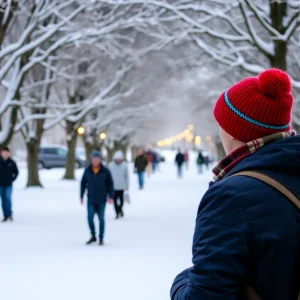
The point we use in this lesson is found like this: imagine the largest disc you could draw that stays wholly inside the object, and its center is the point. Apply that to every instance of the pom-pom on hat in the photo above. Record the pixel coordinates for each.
(256, 106)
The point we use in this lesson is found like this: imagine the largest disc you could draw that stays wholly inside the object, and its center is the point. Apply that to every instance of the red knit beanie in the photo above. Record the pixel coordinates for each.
(256, 106)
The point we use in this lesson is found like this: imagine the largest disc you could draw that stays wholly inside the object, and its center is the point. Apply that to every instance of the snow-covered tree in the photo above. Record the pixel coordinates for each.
(248, 35)
(32, 31)
(95, 89)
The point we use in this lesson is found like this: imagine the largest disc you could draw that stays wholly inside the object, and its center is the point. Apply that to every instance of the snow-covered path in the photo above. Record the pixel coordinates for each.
(43, 255)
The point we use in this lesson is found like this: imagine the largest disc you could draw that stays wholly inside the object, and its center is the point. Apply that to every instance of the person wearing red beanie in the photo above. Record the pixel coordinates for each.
(246, 241)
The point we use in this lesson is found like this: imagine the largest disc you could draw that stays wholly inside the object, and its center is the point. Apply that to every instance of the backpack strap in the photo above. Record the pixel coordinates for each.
(272, 182)
(249, 292)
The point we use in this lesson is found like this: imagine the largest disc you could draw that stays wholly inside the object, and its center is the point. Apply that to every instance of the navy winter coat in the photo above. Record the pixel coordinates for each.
(248, 232)
(179, 159)
(8, 172)
(99, 186)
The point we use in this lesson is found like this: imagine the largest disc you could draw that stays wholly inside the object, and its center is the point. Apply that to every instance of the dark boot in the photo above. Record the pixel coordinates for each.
(117, 217)
(92, 240)
(101, 242)
(4, 220)
(11, 219)
(121, 213)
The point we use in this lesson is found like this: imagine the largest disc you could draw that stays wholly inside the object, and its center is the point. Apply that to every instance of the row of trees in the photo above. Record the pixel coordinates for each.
(240, 37)
(105, 65)
(74, 63)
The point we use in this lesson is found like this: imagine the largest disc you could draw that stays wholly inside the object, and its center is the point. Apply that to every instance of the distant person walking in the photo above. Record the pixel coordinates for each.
(186, 158)
(8, 174)
(140, 165)
(179, 159)
(99, 184)
(149, 155)
(207, 161)
(120, 175)
(154, 161)
(200, 162)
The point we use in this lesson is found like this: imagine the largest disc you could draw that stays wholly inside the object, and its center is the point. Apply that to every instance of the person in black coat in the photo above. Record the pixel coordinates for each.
(247, 233)
(200, 161)
(179, 159)
(98, 181)
(140, 165)
(8, 174)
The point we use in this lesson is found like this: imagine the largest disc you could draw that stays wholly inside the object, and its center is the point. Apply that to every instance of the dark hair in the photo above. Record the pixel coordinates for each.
(5, 149)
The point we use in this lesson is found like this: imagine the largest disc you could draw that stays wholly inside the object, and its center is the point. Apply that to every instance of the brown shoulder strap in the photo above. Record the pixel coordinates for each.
(249, 292)
(272, 182)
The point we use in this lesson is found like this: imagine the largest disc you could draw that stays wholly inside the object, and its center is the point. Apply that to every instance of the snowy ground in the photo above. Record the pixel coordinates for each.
(43, 255)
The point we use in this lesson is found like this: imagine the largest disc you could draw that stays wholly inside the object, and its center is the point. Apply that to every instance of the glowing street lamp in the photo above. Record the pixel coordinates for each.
(208, 138)
(81, 130)
(198, 140)
(103, 136)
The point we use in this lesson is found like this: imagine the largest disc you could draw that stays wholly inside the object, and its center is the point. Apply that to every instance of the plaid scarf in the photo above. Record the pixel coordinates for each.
(231, 160)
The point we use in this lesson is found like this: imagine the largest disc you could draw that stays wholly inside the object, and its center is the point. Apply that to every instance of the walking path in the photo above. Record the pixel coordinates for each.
(43, 255)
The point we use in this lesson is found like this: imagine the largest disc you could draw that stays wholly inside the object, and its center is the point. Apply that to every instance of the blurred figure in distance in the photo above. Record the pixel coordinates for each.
(186, 158)
(200, 161)
(179, 160)
(140, 165)
(8, 174)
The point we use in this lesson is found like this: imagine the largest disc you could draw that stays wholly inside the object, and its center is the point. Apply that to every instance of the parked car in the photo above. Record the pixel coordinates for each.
(56, 157)
(80, 152)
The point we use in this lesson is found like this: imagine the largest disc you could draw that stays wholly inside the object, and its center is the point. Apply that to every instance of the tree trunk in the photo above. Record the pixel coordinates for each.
(280, 57)
(110, 154)
(13, 112)
(4, 27)
(134, 152)
(278, 11)
(70, 164)
(88, 152)
(33, 146)
(32, 163)
(124, 149)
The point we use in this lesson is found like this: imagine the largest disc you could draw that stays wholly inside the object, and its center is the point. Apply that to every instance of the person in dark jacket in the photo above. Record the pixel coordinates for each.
(179, 160)
(247, 232)
(200, 161)
(98, 181)
(8, 174)
(154, 161)
(140, 165)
